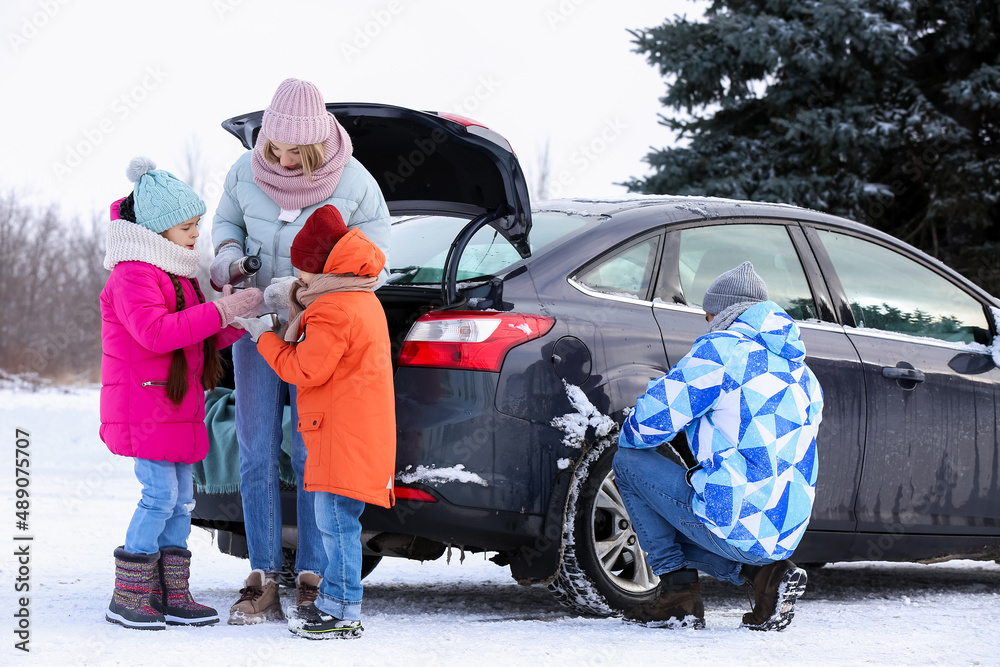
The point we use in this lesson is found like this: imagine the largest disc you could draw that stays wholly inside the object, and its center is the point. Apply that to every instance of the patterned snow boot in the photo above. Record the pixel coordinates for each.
(171, 595)
(776, 586)
(130, 606)
(677, 604)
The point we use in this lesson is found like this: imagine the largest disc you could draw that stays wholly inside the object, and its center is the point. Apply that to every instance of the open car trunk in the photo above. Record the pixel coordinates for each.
(436, 164)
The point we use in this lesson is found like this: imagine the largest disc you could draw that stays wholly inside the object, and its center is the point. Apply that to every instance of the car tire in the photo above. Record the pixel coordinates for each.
(603, 569)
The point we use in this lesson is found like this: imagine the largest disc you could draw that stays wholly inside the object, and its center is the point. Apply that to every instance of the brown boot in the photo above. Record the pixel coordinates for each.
(776, 586)
(258, 601)
(306, 590)
(677, 604)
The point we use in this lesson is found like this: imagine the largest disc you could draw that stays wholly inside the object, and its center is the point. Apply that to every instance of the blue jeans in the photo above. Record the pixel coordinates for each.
(339, 520)
(260, 404)
(658, 501)
(163, 516)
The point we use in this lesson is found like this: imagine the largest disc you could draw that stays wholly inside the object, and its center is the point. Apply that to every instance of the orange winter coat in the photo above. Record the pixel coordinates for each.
(343, 371)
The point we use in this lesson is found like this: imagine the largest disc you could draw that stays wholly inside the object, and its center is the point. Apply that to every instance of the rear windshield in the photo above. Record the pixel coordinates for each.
(420, 246)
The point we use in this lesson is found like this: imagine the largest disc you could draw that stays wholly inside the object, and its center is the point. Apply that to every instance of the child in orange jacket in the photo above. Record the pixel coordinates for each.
(336, 350)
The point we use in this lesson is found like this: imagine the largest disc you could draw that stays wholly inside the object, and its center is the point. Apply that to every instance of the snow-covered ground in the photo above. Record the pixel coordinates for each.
(430, 613)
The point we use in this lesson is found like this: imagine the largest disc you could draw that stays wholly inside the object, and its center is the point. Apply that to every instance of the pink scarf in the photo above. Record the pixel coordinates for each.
(300, 296)
(289, 188)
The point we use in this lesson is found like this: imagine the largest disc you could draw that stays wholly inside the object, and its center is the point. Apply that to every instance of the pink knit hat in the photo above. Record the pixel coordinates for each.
(297, 115)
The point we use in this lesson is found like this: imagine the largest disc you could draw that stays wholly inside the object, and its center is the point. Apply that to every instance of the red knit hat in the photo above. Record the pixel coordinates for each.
(313, 243)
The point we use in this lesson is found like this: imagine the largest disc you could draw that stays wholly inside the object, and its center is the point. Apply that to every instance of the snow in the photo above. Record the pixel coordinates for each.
(456, 473)
(995, 347)
(574, 424)
(433, 613)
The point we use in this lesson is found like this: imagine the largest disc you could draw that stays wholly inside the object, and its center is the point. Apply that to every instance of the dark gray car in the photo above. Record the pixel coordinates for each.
(521, 337)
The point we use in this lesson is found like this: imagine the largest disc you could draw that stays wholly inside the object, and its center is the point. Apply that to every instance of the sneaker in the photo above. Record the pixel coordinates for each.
(258, 601)
(677, 604)
(313, 623)
(776, 587)
(306, 591)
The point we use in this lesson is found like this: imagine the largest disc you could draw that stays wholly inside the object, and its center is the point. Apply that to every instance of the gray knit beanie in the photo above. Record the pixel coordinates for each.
(739, 285)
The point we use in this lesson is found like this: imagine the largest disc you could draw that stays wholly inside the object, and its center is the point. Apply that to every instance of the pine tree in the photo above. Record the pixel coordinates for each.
(883, 111)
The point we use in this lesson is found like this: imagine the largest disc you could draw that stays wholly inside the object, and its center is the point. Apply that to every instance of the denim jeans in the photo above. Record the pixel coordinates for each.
(658, 501)
(339, 520)
(163, 516)
(260, 404)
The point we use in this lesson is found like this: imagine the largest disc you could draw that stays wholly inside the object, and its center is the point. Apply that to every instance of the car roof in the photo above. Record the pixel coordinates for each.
(684, 208)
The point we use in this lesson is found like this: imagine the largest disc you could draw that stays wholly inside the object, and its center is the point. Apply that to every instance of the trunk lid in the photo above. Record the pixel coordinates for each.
(430, 163)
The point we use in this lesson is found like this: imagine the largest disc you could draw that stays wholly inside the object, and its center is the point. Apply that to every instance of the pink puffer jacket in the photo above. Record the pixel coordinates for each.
(140, 332)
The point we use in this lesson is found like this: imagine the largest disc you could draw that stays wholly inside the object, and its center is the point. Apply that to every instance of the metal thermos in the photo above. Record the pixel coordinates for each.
(239, 270)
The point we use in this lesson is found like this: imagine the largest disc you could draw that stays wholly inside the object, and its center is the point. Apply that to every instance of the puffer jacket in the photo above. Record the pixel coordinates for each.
(750, 408)
(247, 215)
(343, 371)
(141, 329)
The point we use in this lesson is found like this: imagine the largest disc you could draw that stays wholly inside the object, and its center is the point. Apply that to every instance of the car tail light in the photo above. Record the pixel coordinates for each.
(408, 493)
(473, 340)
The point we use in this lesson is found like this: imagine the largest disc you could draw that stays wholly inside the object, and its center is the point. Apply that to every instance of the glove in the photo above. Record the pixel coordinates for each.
(244, 303)
(276, 294)
(226, 255)
(255, 326)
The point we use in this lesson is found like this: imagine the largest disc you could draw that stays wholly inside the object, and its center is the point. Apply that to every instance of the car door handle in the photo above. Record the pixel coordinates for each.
(896, 373)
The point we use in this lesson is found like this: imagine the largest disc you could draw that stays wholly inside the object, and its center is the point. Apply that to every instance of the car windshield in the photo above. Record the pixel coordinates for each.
(420, 246)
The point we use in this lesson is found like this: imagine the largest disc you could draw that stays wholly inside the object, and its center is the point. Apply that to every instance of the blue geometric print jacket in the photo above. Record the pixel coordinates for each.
(750, 408)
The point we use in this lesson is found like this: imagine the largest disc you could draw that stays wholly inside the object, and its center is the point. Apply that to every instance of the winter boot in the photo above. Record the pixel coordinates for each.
(776, 586)
(170, 593)
(130, 602)
(677, 604)
(313, 623)
(306, 590)
(258, 601)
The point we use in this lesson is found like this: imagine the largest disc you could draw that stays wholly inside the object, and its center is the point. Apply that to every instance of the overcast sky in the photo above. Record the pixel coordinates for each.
(86, 85)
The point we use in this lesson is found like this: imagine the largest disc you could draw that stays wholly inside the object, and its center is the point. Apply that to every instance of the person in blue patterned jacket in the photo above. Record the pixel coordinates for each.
(750, 409)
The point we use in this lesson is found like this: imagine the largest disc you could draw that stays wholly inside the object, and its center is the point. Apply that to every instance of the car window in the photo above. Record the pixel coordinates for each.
(420, 246)
(889, 291)
(623, 272)
(707, 252)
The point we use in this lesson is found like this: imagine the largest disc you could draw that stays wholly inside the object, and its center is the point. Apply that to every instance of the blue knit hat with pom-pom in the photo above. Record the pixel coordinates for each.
(161, 199)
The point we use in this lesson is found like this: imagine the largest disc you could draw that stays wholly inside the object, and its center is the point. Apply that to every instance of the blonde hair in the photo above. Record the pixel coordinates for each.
(311, 154)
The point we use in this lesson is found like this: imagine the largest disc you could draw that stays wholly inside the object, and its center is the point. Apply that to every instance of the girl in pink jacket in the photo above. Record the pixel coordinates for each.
(161, 345)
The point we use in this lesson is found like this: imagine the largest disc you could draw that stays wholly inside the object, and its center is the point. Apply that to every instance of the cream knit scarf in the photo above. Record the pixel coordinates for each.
(300, 296)
(130, 242)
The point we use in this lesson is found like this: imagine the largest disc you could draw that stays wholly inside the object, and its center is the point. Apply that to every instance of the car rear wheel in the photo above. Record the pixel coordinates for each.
(603, 568)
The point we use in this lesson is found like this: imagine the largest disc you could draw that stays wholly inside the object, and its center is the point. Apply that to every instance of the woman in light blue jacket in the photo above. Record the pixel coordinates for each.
(300, 162)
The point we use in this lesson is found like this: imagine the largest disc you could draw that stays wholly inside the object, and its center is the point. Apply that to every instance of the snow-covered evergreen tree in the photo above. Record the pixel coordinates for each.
(884, 111)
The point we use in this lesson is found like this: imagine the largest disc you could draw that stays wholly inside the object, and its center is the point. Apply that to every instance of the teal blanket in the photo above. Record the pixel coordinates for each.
(220, 471)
